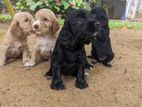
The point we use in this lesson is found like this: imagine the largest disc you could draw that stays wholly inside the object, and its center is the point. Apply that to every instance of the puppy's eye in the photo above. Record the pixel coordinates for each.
(45, 19)
(26, 20)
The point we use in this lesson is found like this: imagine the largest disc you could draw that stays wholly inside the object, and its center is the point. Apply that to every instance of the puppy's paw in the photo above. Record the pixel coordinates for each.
(29, 64)
(88, 67)
(81, 83)
(94, 61)
(107, 64)
(48, 75)
(57, 84)
(86, 73)
(25, 60)
(2, 64)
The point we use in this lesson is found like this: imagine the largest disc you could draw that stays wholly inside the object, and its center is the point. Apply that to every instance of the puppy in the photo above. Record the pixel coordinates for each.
(15, 40)
(46, 27)
(69, 57)
(101, 46)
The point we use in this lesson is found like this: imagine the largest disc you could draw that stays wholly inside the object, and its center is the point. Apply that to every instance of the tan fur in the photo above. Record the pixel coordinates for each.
(46, 35)
(15, 40)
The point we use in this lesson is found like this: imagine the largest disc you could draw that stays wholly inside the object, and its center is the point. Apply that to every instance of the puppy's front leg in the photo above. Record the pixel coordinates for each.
(88, 66)
(3, 55)
(80, 81)
(32, 61)
(25, 54)
(57, 83)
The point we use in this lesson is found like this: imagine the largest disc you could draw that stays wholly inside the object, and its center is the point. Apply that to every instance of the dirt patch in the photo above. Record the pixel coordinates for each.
(119, 86)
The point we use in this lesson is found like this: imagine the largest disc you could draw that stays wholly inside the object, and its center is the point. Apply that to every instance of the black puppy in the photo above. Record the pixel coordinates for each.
(69, 57)
(101, 46)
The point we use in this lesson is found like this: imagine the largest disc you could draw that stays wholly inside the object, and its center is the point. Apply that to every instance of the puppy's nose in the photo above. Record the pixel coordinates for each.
(36, 26)
(97, 24)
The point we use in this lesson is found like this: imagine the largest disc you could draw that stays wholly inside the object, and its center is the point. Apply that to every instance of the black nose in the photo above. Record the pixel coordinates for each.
(36, 26)
(97, 24)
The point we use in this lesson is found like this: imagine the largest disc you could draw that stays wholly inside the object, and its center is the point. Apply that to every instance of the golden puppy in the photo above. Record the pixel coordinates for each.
(15, 40)
(46, 27)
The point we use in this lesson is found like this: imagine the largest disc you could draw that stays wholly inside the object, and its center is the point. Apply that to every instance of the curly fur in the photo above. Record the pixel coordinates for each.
(15, 40)
(101, 46)
(46, 27)
(69, 57)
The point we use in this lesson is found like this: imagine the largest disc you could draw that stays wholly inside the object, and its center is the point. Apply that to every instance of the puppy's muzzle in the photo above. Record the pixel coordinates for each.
(36, 26)
(95, 34)
(95, 27)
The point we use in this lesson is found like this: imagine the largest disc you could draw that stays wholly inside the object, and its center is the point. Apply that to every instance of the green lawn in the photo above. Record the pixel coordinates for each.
(113, 24)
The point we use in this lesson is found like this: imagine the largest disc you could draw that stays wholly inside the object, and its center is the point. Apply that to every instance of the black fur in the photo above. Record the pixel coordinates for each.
(69, 57)
(101, 46)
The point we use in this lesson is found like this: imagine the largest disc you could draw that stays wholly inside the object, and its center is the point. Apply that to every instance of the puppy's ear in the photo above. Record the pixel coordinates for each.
(15, 29)
(55, 26)
(66, 38)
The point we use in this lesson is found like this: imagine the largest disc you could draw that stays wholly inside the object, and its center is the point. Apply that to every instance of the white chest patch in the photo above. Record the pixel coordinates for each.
(45, 44)
(17, 45)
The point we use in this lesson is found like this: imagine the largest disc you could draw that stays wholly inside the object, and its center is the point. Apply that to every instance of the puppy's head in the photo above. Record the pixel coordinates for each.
(21, 23)
(82, 25)
(101, 15)
(46, 22)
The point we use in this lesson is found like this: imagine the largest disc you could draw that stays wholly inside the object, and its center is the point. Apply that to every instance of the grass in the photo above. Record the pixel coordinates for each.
(113, 24)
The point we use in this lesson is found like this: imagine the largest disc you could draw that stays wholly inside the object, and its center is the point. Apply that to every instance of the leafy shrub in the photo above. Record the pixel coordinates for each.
(96, 2)
(5, 18)
(58, 6)
(1, 3)
(91, 4)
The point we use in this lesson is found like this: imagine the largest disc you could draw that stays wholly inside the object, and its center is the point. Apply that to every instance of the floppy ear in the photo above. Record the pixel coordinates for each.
(67, 37)
(55, 26)
(15, 29)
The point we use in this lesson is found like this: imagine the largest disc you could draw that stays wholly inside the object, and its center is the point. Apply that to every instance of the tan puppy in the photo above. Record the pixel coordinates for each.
(15, 40)
(46, 27)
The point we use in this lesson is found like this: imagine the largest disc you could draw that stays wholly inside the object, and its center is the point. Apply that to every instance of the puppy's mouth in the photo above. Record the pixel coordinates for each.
(95, 34)
(37, 31)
